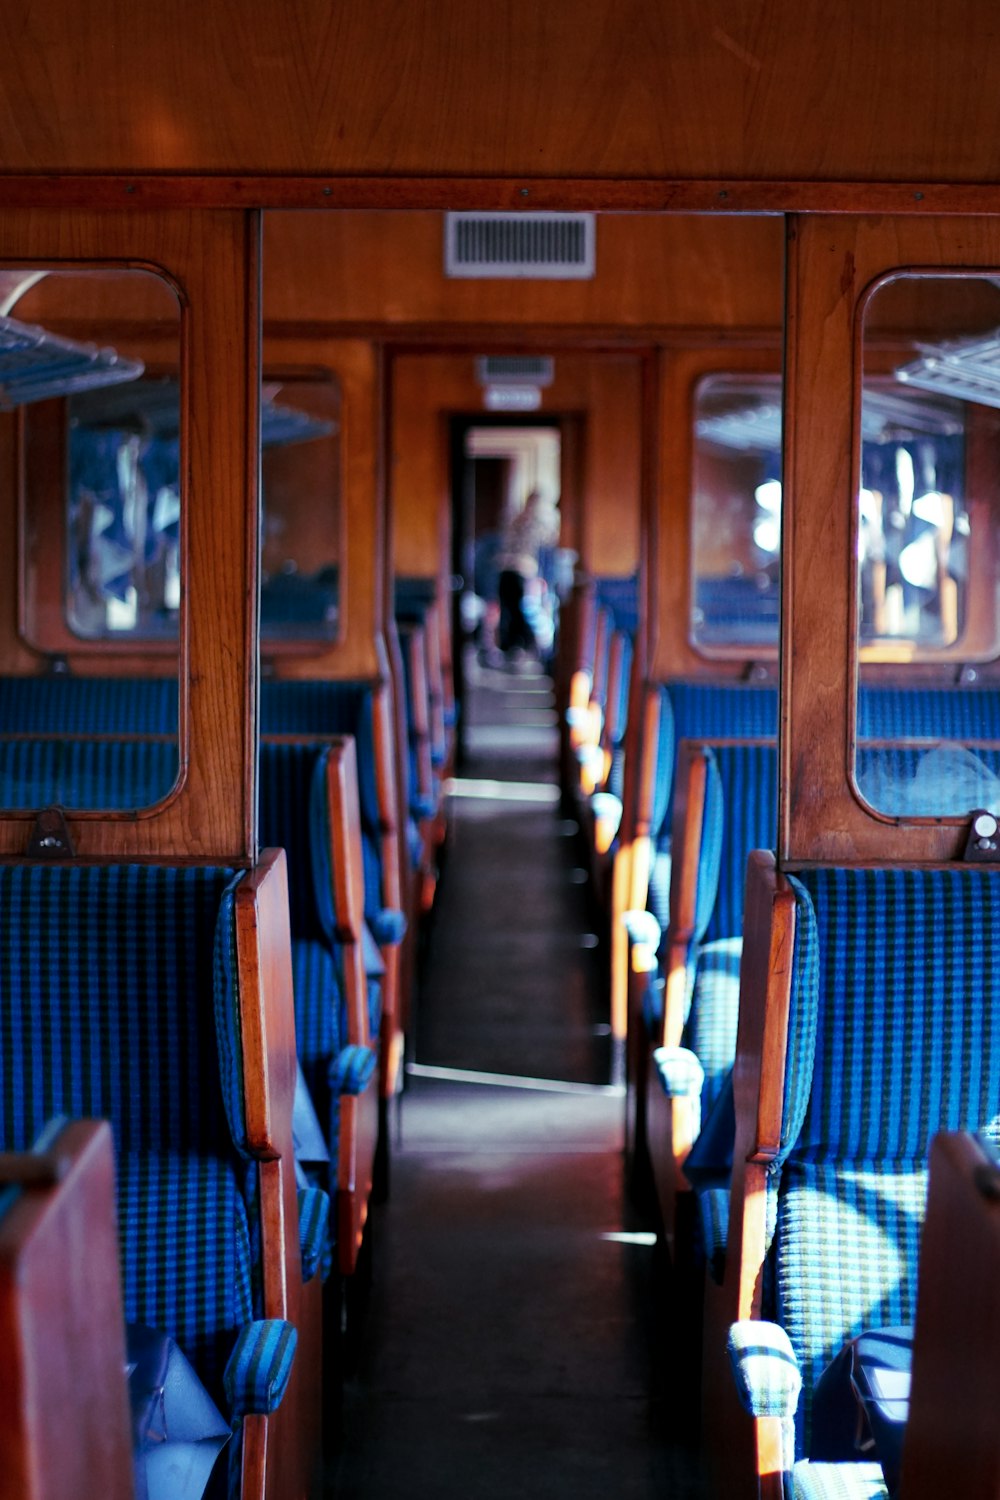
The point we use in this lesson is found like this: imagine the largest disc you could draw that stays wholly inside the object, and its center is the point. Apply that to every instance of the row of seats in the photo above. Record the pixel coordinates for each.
(891, 979)
(431, 723)
(152, 997)
(127, 994)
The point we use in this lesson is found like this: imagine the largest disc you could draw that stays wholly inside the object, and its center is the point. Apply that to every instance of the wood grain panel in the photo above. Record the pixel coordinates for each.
(213, 261)
(831, 265)
(758, 1073)
(355, 365)
(359, 1115)
(578, 87)
(603, 387)
(267, 1036)
(952, 1445)
(652, 270)
(668, 531)
(62, 1324)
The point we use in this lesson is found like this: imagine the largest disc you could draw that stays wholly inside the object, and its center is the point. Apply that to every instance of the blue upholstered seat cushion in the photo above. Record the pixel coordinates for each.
(621, 597)
(748, 819)
(846, 1252)
(860, 1481)
(111, 775)
(326, 707)
(658, 898)
(713, 1016)
(894, 1034)
(106, 989)
(186, 1256)
(65, 704)
(888, 712)
(896, 1019)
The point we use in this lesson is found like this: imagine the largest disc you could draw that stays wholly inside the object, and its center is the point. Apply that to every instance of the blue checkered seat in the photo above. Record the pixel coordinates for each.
(118, 999)
(322, 707)
(422, 802)
(295, 816)
(617, 713)
(887, 712)
(621, 597)
(740, 815)
(113, 775)
(892, 1037)
(697, 710)
(66, 704)
(414, 600)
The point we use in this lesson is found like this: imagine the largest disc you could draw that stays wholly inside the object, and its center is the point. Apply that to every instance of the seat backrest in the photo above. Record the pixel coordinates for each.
(66, 704)
(603, 631)
(747, 786)
(616, 713)
(621, 597)
(715, 710)
(320, 707)
(741, 814)
(110, 774)
(118, 997)
(887, 711)
(893, 1035)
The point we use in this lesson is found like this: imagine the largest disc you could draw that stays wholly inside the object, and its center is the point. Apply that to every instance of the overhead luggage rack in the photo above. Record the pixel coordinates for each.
(153, 407)
(966, 368)
(35, 365)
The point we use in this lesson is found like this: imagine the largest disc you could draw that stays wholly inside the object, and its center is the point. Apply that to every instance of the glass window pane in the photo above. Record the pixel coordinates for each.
(89, 387)
(927, 512)
(736, 513)
(300, 478)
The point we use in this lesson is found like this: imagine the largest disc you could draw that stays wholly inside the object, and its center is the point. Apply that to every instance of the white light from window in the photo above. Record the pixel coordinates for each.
(768, 496)
(767, 534)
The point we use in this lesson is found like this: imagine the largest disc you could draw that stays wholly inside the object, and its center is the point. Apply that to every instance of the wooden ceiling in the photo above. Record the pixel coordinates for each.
(748, 90)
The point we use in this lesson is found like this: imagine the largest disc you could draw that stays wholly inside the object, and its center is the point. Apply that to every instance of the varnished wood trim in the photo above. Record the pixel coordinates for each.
(688, 821)
(212, 260)
(832, 264)
(65, 1408)
(952, 1444)
(618, 194)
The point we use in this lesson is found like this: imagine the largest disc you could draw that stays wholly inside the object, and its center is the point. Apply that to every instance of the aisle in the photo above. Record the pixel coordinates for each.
(511, 1349)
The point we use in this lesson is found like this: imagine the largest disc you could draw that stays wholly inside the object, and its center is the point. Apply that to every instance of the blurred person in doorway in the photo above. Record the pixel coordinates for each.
(532, 529)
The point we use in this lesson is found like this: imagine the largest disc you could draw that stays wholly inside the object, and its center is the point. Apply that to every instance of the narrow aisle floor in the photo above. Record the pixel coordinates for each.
(511, 1347)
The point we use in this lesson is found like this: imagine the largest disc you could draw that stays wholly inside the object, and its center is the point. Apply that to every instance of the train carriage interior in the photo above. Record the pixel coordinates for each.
(499, 751)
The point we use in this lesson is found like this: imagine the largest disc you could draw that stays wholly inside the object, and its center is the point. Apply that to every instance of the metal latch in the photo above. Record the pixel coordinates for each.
(50, 837)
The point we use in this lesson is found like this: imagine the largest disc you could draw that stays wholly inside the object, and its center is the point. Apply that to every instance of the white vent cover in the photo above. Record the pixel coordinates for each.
(515, 369)
(546, 246)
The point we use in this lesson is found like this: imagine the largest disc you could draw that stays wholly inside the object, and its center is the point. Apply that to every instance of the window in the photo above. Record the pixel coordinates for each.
(736, 513)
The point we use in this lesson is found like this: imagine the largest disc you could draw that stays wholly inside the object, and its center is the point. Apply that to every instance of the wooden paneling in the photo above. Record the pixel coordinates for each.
(669, 527)
(603, 387)
(267, 1037)
(758, 1082)
(355, 365)
(64, 1411)
(952, 1445)
(213, 259)
(831, 265)
(625, 88)
(652, 271)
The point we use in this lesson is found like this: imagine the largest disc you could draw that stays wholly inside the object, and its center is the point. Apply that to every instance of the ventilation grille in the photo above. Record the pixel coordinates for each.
(543, 245)
(515, 369)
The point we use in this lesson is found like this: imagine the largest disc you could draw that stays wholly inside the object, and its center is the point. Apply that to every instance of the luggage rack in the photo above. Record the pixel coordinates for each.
(35, 365)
